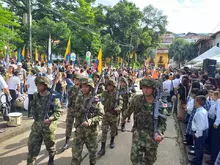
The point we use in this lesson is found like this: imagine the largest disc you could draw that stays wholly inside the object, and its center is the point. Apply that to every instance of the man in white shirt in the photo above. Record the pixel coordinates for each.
(32, 88)
(167, 84)
(200, 125)
(14, 88)
(3, 84)
(22, 76)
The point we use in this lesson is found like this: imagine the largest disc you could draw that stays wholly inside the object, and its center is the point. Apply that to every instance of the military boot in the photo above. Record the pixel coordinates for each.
(51, 160)
(67, 144)
(102, 151)
(112, 142)
(123, 127)
(92, 163)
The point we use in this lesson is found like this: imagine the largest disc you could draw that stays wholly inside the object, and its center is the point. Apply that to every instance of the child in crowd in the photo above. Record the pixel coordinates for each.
(200, 127)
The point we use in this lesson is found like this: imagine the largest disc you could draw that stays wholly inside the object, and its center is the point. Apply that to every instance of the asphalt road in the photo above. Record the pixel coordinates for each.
(14, 150)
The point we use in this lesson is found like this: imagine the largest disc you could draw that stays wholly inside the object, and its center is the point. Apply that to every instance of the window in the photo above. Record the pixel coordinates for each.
(217, 45)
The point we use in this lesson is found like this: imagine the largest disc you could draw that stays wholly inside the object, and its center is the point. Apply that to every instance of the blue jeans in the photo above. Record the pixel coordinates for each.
(199, 148)
(21, 88)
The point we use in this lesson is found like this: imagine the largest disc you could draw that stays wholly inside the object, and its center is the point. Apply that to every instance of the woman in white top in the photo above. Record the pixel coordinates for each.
(31, 86)
(13, 82)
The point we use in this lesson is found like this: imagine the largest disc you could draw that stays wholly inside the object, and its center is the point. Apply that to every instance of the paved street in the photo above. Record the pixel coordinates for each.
(14, 150)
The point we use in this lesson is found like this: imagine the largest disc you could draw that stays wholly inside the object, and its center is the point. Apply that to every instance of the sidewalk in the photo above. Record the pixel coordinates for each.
(9, 132)
(185, 148)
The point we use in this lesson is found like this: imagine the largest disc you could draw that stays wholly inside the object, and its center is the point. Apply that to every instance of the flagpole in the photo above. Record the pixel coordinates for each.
(49, 50)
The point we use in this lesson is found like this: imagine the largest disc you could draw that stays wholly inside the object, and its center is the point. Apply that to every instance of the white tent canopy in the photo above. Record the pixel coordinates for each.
(216, 57)
(208, 54)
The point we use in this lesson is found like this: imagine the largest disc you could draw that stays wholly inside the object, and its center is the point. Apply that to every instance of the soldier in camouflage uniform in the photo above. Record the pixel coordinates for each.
(86, 123)
(72, 94)
(101, 87)
(110, 118)
(46, 110)
(132, 90)
(106, 78)
(145, 140)
(125, 93)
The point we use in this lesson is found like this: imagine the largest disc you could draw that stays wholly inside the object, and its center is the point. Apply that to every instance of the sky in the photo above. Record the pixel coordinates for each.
(198, 16)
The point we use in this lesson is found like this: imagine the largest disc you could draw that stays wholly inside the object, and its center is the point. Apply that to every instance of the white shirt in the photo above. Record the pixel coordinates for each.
(32, 86)
(167, 85)
(190, 105)
(176, 83)
(217, 120)
(200, 122)
(3, 84)
(212, 110)
(13, 82)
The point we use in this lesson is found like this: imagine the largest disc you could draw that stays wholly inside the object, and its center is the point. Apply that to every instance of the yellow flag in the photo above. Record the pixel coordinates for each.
(36, 55)
(23, 53)
(100, 61)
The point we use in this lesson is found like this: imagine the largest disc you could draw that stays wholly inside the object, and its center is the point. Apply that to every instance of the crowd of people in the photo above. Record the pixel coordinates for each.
(194, 98)
(196, 101)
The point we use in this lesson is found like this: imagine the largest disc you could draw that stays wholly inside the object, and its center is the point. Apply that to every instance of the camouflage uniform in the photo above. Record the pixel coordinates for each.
(110, 118)
(125, 93)
(39, 130)
(86, 135)
(72, 94)
(143, 128)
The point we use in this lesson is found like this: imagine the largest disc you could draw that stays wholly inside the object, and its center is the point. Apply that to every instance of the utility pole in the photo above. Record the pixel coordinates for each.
(30, 29)
(130, 48)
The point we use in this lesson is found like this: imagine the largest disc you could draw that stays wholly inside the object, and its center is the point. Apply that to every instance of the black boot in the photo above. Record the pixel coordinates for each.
(102, 151)
(112, 142)
(67, 144)
(51, 160)
(123, 127)
(92, 163)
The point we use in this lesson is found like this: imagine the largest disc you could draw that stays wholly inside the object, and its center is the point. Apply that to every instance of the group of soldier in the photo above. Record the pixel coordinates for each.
(112, 100)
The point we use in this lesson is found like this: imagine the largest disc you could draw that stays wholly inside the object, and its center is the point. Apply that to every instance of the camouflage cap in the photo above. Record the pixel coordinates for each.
(87, 81)
(112, 82)
(44, 80)
(76, 76)
(123, 79)
(148, 83)
(96, 74)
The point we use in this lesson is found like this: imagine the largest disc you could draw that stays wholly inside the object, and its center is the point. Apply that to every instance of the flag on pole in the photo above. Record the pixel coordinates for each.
(23, 53)
(19, 55)
(49, 50)
(36, 55)
(100, 61)
(68, 52)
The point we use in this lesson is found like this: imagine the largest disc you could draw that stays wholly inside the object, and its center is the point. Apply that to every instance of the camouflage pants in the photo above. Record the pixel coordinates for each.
(122, 114)
(143, 149)
(109, 121)
(88, 137)
(69, 122)
(40, 132)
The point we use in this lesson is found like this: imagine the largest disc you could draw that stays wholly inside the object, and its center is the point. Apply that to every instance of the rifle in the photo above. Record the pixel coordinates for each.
(157, 114)
(91, 100)
(117, 97)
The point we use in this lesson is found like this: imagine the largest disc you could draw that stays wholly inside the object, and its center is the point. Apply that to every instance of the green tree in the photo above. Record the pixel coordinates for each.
(181, 51)
(8, 29)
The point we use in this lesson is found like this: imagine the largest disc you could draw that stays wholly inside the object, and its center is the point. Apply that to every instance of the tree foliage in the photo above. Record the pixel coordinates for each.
(9, 34)
(119, 30)
(181, 51)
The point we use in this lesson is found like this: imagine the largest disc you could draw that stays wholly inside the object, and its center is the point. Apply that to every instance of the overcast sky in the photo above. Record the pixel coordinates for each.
(200, 16)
